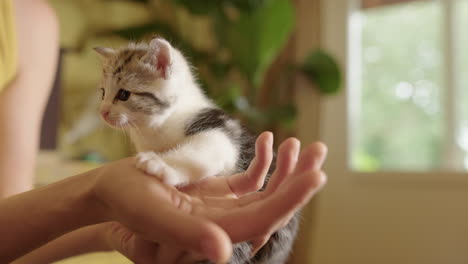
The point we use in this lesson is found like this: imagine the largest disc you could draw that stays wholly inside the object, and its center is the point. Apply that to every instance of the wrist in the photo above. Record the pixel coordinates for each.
(100, 237)
(88, 200)
(107, 233)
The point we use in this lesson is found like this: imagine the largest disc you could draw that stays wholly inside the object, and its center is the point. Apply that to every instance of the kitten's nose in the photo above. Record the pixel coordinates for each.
(105, 114)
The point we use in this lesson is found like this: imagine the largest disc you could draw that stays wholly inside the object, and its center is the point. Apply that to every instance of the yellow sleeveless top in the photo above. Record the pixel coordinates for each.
(8, 48)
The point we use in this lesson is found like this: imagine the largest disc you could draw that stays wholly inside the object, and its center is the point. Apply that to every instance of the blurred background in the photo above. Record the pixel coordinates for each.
(381, 82)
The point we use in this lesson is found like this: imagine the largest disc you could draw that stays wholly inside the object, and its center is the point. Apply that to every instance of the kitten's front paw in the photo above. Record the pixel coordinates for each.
(152, 164)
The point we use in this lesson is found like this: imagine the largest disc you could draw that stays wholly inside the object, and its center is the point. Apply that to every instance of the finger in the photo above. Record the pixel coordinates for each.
(246, 223)
(312, 158)
(191, 258)
(254, 177)
(287, 220)
(172, 223)
(168, 255)
(258, 243)
(285, 163)
(242, 183)
(168, 222)
(210, 186)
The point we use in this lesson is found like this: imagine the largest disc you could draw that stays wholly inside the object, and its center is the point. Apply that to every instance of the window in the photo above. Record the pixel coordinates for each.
(407, 87)
(462, 78)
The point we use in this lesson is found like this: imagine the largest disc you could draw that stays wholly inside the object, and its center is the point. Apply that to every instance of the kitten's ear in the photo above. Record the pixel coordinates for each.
(159, 55)
(104, 52)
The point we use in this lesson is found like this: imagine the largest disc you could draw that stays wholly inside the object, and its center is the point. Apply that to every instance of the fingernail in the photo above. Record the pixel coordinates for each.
(270, 139)
(298, 146)
(323, 179)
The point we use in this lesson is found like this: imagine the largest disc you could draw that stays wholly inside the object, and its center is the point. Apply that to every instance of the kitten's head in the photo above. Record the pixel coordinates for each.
(138, 83)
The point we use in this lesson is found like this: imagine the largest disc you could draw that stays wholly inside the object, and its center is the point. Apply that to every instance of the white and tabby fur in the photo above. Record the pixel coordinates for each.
(181, 136)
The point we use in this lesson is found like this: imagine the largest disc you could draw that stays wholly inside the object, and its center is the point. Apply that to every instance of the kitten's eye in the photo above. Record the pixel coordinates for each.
(103, 93)
(123, 95)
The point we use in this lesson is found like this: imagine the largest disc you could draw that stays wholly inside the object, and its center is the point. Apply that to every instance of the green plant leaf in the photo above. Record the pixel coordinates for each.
(256, 38)
(229, 98)
(284, 114)
(247, 5)
(323, 70)
(200, 7)
(140, 1)
(219, 69)
(140, 31)
(206, 7)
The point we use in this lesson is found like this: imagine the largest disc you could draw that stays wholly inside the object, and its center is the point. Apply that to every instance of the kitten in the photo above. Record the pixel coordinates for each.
(181, 136)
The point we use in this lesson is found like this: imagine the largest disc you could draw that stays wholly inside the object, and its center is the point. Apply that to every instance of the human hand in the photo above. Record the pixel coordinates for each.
(185, 219)
(242, 189)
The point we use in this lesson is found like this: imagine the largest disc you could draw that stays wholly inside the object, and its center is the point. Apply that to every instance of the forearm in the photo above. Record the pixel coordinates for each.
(81, 241)
(23, 101)
(31, 219)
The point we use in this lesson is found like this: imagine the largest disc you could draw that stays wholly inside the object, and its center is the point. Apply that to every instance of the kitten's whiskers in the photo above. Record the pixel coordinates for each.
(135, 127)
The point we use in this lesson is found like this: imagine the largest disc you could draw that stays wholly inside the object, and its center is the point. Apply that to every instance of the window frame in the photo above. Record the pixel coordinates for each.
(366, 4)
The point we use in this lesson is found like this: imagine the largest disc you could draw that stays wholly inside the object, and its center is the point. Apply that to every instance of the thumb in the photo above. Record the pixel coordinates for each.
(191, 233)
(123, 240)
